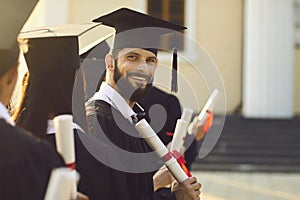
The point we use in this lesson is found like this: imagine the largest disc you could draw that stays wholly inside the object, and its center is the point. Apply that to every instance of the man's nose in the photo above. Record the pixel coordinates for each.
(143, 66)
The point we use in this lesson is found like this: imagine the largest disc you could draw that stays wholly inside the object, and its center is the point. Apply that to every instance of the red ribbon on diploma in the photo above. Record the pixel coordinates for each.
(180, 159)
(71, 166)
(209, 121)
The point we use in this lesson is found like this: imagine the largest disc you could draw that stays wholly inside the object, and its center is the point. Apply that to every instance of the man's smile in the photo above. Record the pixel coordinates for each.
(139, 77)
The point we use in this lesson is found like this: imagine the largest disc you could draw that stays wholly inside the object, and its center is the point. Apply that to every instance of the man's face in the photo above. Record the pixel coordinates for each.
(134, 72)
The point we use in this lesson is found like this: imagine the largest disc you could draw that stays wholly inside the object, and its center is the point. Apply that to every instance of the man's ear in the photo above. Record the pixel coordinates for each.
(110, 66)
(109, 62)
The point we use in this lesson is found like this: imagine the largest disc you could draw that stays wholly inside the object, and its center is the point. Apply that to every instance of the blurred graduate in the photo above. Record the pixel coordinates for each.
(25, 162)
(55, 86)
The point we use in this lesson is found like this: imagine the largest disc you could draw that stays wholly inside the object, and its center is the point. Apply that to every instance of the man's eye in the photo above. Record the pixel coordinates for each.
(132, 57)
(151, 61)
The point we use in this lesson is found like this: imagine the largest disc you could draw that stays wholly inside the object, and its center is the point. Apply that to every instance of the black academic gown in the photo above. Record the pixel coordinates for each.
(25, 164)
(138, 185)
(97, 181)
(169, 105)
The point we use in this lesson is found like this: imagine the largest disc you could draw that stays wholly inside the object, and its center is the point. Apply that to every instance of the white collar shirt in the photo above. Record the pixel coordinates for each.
(111, 96)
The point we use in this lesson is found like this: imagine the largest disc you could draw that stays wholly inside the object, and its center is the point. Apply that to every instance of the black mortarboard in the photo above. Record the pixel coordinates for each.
(13, 15)
(64, 43)
(135, 29)
(54, 53)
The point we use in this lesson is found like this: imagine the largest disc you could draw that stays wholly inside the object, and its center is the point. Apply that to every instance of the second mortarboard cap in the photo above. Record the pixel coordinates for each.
(138, 30)
(53, 57)
(13, 15)
(55, 49)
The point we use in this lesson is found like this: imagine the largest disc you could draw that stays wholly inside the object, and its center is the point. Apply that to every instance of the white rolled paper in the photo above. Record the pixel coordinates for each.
(60, 185)
(156, 144)
(187, 114)
(173, 166)
(151, 137)
(64, 137)
(179, 134)
(200, 120)
(181, 129)
(207, 106)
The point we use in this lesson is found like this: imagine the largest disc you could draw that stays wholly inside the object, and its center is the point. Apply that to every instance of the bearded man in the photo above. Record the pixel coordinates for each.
(130, 68)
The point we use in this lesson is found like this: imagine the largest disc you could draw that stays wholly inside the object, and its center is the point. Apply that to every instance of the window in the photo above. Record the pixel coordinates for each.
(170, 10)
(297, 22)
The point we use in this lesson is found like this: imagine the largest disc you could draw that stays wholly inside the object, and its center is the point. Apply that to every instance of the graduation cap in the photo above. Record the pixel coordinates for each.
(13, 15)
(53, 56)
(60, 46)
(138, 30)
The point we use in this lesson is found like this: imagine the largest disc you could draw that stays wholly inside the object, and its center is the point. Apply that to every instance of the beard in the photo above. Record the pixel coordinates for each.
(127, 90)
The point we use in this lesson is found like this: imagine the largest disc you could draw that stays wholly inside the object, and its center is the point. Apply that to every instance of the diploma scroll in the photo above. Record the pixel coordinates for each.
(64, 137)
(179, 134)
(205, 114)
(61, 184)
(156, 144)
(187, 114)
(208, 105)
(181, 129)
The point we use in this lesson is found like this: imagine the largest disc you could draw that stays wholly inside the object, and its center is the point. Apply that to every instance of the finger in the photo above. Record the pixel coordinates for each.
(197, 186)
(197, 193)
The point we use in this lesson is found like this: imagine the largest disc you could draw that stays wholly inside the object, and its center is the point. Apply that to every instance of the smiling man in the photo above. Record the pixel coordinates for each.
(133, 72)
(130, 68)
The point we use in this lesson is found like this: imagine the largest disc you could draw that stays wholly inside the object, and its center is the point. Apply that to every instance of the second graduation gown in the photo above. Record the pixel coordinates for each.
(97, 180)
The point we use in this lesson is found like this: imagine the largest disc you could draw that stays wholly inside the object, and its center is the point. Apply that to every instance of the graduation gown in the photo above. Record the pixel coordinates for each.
(25, 164)
(171, 107)
(97, 180)
(138, 185)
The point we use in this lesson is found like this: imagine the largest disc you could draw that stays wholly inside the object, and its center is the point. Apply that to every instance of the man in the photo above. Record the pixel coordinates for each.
(25, 162)
(129, 73)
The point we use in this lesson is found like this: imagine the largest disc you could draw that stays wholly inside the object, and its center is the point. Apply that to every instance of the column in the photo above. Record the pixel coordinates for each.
(268, 53)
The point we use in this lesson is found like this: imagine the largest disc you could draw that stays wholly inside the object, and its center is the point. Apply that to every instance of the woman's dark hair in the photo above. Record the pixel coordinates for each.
(49, 86)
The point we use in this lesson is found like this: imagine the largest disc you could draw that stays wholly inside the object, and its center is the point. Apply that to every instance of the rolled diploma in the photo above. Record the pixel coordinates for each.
(179, 134)
(64, 137)
(181, 129)
(156, 144)
(187, 114)
(61, 184)
(207, 106)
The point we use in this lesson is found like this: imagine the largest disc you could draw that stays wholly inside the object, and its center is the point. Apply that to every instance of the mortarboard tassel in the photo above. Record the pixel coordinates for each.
(174, 86)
